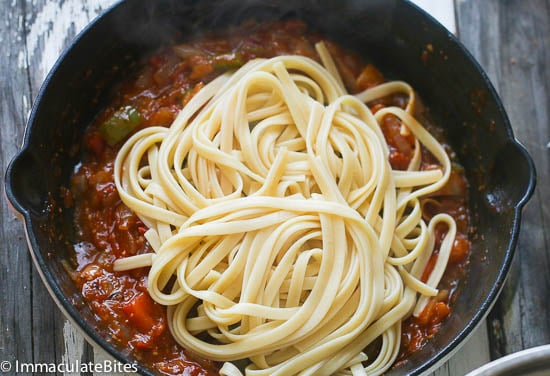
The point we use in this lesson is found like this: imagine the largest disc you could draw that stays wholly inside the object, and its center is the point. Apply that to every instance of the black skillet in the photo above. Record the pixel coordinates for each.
(399, 38)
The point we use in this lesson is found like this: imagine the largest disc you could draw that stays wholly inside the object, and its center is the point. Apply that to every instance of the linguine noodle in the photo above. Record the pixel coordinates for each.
(281, 234)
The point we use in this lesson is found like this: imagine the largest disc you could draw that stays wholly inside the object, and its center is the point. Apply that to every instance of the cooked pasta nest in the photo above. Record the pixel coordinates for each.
(281, 234)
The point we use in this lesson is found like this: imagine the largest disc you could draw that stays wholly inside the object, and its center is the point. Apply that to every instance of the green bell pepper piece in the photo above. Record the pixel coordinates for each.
(120, 124)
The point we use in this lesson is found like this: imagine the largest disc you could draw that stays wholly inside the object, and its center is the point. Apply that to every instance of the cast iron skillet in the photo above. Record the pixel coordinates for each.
(394, 35)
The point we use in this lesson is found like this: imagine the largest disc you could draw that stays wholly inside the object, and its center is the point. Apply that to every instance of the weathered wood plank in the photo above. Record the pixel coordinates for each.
(74, 344)
(16, 341)
(51, 25)
(46, 27)
(100, 356)
(441, 10)
(473, 354)
(511, 40)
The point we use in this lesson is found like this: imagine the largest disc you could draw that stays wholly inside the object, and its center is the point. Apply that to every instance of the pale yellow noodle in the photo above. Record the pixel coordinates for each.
(278, 224)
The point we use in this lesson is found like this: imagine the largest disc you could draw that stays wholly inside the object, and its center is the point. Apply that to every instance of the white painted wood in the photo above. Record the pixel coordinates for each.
(441, 10)
(54, 25)
(73, 347)
(101, 356)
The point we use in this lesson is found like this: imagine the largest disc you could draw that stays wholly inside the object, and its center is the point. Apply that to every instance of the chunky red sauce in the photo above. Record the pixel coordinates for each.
(108, 230)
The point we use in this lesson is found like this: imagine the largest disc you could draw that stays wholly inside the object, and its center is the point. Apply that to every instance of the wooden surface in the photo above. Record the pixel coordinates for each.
(511, 40)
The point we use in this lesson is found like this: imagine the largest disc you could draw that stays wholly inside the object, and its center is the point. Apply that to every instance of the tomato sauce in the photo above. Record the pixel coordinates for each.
(108, 230)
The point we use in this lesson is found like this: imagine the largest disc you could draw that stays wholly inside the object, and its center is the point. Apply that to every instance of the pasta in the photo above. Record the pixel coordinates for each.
(281, 234)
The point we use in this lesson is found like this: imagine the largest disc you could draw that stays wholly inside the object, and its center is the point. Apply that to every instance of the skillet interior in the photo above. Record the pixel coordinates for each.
(394, 35)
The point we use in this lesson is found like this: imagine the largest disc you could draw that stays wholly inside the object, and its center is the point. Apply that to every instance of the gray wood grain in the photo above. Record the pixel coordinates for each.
(15, 265)
(31, 37)
(511, 40)
(46, 34)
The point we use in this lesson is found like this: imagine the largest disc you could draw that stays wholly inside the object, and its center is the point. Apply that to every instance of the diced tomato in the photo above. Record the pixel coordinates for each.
(164, 115)
(429, 267)
(369, 77)
(460, 250)
(434, 313)
(398, 160)
(377, 107)
(96, 144)
(145, 314)
(201, 70)
(401, 146)
(200, 67)
(426, 314)
(455, 186)
(440, 312)
(191, 93)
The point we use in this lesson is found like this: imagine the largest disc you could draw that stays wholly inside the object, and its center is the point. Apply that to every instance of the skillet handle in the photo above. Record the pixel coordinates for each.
(513, 178)
(24, 180)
